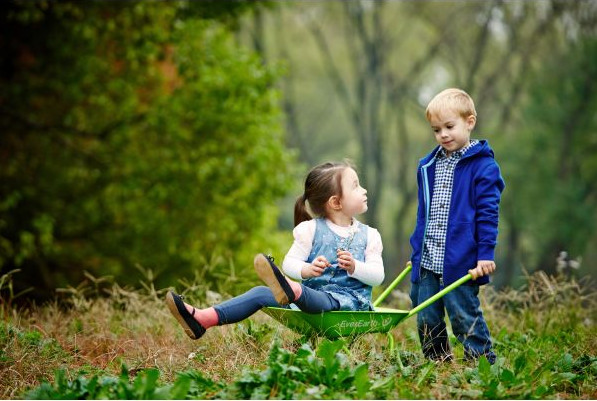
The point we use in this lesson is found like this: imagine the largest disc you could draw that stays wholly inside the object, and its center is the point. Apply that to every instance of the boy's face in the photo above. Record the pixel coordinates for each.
(452, 131)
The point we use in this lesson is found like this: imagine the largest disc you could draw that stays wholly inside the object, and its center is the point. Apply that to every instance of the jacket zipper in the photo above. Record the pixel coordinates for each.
(427, 204)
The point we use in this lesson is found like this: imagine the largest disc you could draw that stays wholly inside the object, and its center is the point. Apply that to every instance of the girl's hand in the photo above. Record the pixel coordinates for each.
(484, 268)
(316, 268)
(346, 261)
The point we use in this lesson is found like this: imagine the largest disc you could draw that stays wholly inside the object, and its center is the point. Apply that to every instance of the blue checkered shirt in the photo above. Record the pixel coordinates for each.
(437, 226)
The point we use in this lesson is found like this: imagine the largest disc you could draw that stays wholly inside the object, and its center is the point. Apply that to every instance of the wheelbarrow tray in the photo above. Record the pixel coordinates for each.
(336, 324)
(339, 323)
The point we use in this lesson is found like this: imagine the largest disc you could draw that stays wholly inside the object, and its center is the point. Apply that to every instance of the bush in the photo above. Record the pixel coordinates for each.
(159, 146)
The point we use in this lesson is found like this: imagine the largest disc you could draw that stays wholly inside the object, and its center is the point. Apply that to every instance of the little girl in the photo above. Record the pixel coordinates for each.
(337, 258)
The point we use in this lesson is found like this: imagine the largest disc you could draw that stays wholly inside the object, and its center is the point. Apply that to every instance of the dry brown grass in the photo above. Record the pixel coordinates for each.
(129, 328)
(136, 329)
(90, 335)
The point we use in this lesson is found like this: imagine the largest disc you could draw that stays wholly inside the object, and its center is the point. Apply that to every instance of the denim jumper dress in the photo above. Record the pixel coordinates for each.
(352, 294)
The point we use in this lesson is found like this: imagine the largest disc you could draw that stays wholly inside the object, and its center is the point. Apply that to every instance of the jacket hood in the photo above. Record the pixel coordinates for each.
(482, 149)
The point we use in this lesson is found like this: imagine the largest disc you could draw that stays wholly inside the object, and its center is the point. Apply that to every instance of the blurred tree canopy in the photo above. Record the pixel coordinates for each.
(161, 135)
(559, 151)
(361, 72)
(134, 134)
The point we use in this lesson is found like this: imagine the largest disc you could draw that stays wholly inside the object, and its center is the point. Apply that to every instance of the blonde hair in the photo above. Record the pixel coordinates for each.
(452, 99)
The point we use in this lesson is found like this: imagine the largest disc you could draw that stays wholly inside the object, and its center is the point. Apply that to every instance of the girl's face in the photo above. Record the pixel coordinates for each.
(354, 196)
(452, 131)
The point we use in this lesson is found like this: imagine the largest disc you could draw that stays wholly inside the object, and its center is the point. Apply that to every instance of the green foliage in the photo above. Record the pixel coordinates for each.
(301, 374)
(305, 373)
(144, 386)
(528, 65)
(33, 341)
(557, 144)
(252, 332)
(545, 351)
(226, 11)
(559, 373)
(134, 136)
(326, 374)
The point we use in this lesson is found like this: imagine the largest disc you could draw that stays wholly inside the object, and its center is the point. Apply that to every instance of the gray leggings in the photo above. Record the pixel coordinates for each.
(241, 307)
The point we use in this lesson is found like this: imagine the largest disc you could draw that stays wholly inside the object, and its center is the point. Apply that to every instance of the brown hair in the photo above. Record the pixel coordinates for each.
(322, 182)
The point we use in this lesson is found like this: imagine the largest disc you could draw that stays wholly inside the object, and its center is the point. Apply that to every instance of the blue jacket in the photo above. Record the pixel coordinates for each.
(473, 219)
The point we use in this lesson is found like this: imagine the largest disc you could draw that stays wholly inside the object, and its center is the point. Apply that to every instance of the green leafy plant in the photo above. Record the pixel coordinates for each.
(324, 373)
(145, 386)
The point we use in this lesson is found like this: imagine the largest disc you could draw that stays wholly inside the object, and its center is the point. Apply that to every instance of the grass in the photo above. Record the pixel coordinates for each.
(125, 344)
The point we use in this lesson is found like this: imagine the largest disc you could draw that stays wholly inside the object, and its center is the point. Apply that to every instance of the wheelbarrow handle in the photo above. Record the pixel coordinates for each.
(394, 283)
(440, 294)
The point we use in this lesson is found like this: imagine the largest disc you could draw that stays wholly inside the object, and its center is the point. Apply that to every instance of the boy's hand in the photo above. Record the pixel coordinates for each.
(484, 268)
(346, 261)
(316, 268)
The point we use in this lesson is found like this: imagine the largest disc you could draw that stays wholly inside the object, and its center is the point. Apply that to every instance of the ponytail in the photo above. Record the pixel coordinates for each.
(300, 210)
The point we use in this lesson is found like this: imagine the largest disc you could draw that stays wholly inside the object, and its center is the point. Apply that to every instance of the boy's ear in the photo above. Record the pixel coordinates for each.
(471, 121)
(334, 202)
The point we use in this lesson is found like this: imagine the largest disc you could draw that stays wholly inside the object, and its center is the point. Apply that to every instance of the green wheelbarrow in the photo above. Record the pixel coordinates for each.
(349, 323)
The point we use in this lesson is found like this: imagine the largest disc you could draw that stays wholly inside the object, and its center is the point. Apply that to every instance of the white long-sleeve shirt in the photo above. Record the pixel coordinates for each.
(370, 272)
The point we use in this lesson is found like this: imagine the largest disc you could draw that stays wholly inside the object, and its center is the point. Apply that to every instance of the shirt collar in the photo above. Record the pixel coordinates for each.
(441, 152)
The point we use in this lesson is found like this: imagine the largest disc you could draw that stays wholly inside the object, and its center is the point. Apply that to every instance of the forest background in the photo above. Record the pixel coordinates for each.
(168, 140)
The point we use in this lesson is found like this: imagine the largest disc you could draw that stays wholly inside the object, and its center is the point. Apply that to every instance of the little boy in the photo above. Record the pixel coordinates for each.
(456, 232)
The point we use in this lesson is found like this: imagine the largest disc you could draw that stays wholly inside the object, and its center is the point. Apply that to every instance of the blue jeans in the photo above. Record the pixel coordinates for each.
(241, 307)
(466, 319)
